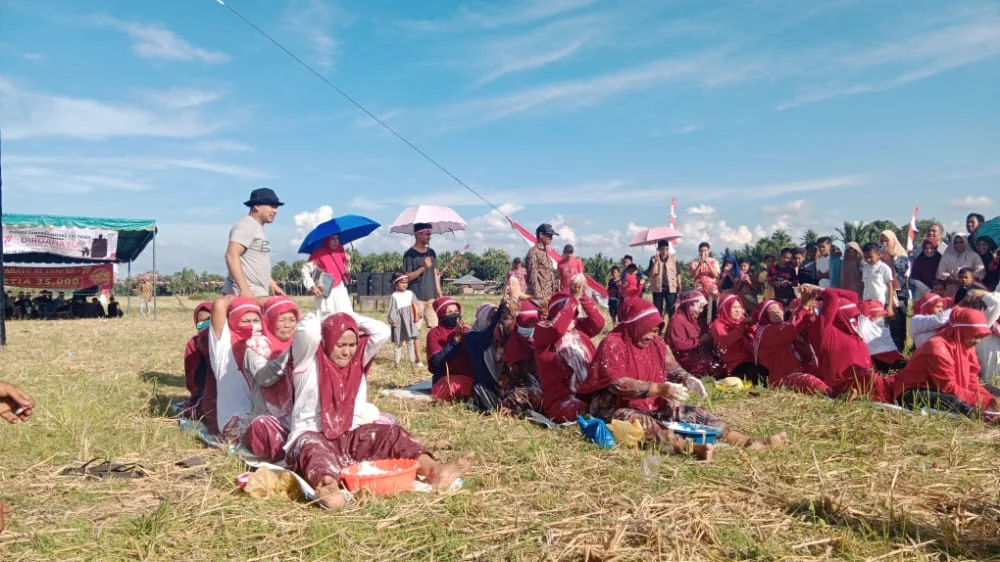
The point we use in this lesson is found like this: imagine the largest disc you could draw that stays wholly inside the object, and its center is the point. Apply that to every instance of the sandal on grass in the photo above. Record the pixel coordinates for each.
(105, 469)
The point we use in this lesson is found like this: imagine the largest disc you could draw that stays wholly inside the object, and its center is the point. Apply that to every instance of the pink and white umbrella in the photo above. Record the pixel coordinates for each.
(441, 219)
(648, 236)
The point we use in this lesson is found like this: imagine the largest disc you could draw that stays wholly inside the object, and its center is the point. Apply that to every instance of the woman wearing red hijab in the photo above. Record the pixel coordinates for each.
(329, 433)
(520, 389)
(775, 342)
(733, 337)
(564, 350)
(234, 321)
(326, 275)
(944, 372)
(271, 395)
(689, 338)
(198, 366)
(447, 358)
(845, 363)
(631, 376)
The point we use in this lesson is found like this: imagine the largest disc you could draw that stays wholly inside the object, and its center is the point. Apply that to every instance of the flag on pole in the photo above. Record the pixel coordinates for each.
(595, 290)
(909, 249)
(913, 230)
(673, 219)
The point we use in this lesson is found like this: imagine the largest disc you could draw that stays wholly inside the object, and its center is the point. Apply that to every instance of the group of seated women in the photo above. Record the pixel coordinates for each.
(294, 388)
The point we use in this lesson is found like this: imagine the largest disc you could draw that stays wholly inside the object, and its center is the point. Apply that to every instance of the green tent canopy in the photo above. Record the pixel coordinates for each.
(133, 236)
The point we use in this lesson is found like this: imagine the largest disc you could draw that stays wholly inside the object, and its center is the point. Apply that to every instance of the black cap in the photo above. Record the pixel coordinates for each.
(263, 196)
(545, 228)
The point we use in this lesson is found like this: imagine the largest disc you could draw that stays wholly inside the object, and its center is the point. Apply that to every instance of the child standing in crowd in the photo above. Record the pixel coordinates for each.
(630, 287)
(767, 273)
(568, 267)
(404, 319)
(785, 279)
(614, 293)
(876, 277)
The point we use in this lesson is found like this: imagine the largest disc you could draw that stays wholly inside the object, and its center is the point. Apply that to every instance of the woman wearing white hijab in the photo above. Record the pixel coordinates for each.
(954, 259)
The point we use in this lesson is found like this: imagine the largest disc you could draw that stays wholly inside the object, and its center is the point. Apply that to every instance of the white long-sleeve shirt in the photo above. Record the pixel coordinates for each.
(924, 326)
(306, 409)
(988, 350)
(233, 391)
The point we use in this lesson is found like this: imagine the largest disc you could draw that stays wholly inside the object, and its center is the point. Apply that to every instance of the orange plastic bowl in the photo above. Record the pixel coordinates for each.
(383, 477)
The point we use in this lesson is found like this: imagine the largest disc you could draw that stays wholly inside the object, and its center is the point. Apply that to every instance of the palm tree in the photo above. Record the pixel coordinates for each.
(851, 231)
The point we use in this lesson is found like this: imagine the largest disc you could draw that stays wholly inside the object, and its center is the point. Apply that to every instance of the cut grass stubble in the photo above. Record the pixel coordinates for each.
(857, 482)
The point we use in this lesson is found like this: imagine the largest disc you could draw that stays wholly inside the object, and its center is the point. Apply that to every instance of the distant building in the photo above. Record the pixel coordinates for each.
(470, 285)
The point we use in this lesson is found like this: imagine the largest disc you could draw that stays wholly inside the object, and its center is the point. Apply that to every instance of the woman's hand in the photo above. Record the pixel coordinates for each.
(317, 291)
(15, 405)
(670, 391)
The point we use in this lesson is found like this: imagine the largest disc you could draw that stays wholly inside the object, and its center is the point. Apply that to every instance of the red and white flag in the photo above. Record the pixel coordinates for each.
(595, 290)
(913, 230)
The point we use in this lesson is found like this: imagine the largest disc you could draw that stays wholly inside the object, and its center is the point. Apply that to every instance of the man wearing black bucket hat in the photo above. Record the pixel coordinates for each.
(248, 256)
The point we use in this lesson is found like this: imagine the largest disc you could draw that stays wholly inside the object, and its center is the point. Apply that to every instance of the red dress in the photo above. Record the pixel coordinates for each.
(732, 337)
(774, 349)
(845, 363)
(945, 365)
(451, 368)
(684, 338)
(558, 379)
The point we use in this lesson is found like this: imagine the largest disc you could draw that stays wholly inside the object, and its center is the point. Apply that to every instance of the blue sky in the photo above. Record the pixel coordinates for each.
(588, 114)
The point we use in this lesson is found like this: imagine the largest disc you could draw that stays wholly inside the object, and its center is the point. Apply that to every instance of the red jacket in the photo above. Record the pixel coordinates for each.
(553, 374)
(774, 346)
(735, 343)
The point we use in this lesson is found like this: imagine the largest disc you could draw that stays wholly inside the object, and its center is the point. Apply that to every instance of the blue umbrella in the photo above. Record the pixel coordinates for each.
(348, 227)
(990, 229)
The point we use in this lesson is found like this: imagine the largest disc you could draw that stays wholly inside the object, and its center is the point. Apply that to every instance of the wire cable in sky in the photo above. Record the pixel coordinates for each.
(358, 105)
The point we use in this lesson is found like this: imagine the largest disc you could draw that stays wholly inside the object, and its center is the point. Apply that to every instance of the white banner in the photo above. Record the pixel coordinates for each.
(72, 242)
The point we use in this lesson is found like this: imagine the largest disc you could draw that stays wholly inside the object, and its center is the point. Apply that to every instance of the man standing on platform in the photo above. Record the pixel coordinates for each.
(248, 256)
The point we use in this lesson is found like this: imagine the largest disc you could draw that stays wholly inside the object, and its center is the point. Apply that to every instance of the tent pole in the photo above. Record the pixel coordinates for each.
(154, 271)
(128, 289)
(3, 308)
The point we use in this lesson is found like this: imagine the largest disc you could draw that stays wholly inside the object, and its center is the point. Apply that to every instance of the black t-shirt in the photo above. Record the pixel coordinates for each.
(423, 287)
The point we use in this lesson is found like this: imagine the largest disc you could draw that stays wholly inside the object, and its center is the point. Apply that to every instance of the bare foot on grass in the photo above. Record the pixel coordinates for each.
(329, 494)
(443, 475)
(703, 452)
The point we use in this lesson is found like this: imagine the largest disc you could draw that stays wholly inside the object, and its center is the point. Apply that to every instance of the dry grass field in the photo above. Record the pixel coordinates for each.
(857, 483)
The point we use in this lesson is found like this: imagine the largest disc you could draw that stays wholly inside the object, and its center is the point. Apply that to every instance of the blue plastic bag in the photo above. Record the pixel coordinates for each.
(597, 431)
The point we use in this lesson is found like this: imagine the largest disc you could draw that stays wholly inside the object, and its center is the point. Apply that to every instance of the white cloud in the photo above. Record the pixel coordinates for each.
(971, 202)
(159, 43)
(34, 57)
(182, 98)
(314, 21)
(705, 69)
(515, 62)
(702, 210)
(36, 114)
(798, 206)
(952, 39)
(489, 17)
(305, 221)
(221, 146)
(616, 193)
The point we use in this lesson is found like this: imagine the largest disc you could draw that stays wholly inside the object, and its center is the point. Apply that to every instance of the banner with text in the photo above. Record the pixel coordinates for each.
(72, 242)
(59, 278)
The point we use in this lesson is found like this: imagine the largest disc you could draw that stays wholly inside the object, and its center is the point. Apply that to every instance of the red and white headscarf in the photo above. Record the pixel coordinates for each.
(240, 307)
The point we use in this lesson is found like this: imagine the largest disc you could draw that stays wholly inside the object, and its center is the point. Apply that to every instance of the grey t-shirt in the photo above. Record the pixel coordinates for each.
(256, 260)
(425, 286)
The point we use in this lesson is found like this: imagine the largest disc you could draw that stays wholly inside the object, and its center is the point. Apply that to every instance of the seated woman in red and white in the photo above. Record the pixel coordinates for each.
(873, 329)
(564, 350)
(689, 338)
(234, 321)
(733, 337)
(271, 394)
(448, 361)
(931, 312)
(775, 343)
(844, 361)
(198, 370)
(331, 427)
(944, 372)
(634, 376)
